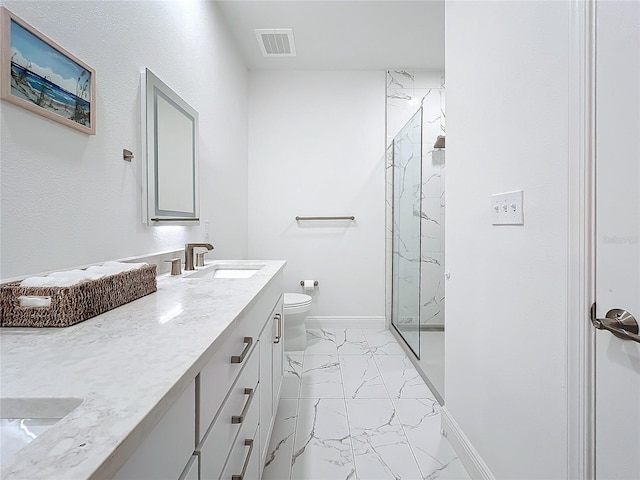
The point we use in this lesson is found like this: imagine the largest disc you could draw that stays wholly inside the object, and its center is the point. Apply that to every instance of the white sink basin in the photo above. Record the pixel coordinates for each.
(228, 270)
(233, 273)
(24, 419)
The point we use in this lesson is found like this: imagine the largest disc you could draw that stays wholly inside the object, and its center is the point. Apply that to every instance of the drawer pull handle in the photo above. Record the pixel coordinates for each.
(238, 418)
(279, 319)
(240, 358)
(247, 443)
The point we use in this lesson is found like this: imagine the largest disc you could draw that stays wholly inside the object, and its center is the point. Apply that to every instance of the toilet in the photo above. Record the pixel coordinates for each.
(296, 308)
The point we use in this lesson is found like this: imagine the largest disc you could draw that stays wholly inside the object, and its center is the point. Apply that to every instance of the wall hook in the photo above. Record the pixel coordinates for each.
(127, 155)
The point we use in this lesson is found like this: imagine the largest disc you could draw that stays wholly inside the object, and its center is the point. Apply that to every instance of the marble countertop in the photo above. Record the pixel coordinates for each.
(127, 367)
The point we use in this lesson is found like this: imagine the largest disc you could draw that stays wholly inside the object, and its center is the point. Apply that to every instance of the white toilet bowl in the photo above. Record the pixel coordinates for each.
(296, 308)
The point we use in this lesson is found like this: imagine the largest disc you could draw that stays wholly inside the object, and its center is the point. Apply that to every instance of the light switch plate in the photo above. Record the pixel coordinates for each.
(507, 208)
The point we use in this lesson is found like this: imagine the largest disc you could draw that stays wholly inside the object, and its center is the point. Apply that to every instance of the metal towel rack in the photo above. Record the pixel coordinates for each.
(352, 218)
(175, 219)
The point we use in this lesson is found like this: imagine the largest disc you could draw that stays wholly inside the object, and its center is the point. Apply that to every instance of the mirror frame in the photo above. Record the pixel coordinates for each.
(152, 89)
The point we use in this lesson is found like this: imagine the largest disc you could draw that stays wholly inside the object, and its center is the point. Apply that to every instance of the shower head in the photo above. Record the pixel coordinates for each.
(439, 142)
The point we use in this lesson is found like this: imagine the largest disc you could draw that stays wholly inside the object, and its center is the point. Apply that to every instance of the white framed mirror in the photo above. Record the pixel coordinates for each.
(170, 141)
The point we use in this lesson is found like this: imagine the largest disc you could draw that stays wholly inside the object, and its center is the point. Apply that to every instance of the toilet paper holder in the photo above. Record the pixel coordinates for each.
(315, 283)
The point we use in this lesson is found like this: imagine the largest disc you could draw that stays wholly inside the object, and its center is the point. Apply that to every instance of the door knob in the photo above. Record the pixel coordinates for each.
(619, 322)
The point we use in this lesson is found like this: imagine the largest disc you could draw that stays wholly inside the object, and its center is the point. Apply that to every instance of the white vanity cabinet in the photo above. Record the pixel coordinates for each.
(236, 401)
(168, 447)
(219, 428)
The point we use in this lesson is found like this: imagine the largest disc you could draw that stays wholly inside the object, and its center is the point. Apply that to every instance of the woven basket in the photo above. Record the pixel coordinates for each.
(74, 304)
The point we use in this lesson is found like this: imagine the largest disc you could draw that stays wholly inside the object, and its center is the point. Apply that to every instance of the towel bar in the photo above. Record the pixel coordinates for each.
(326, 218)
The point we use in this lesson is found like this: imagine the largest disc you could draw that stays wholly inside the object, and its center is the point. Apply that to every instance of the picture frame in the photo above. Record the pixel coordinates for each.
(39, 75)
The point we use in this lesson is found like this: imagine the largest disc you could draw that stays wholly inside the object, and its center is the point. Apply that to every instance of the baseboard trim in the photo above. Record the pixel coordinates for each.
(345, 322)
(468, 455)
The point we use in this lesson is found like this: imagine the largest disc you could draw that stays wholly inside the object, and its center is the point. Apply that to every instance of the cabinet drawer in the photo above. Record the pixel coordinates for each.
(219, 373)
(237, 411)
(244, 460)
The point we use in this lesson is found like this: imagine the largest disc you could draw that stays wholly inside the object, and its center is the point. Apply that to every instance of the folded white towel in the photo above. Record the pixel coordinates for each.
(113, 268)
(97, 271)
(80, 275)
(67, 273)
(50, 281)
(33, 301)
(74, 277)
(124, 266)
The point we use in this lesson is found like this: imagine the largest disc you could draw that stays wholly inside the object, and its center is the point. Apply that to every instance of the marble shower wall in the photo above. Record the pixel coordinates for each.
(406, 91)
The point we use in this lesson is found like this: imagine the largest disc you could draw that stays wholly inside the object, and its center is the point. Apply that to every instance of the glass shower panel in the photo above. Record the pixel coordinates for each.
(407, 194)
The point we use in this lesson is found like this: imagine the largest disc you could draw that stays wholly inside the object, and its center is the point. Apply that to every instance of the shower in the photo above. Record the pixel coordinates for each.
(417, 158)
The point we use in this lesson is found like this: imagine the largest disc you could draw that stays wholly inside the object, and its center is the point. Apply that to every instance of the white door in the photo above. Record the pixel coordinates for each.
(617, 435)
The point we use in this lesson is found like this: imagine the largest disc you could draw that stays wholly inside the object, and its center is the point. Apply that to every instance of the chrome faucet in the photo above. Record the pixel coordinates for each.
(188, 253)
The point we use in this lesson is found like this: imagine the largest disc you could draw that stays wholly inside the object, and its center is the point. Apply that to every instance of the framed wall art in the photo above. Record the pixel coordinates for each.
(41, 76)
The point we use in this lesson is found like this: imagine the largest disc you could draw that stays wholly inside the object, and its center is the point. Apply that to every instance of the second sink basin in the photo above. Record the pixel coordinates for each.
(23, 419)
(228, 270)
(233, 273)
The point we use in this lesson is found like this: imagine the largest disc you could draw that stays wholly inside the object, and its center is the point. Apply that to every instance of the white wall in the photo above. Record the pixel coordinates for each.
(316, 147)
(68, 198)
(507, 129)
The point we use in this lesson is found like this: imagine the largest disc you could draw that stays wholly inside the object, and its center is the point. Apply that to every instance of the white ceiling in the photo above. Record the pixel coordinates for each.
(343, 34)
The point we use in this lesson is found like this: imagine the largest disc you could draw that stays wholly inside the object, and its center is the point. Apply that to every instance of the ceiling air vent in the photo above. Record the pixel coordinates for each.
(276, 42)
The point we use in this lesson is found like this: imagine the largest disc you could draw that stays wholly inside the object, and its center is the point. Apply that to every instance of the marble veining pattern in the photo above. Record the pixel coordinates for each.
(386, 425)
(406, 91)
(361, 377)
(380, 445)
(280, 453)
(321, 377)
(323, 446)
(321, 342)
(292, 376)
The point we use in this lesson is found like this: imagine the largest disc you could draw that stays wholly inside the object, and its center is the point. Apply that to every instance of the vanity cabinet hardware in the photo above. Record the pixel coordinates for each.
(239, 418)
(247, 443)
(278, 318)
(240, 358)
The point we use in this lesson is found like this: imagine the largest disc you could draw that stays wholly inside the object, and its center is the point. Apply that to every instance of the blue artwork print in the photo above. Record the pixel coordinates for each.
(44, 76)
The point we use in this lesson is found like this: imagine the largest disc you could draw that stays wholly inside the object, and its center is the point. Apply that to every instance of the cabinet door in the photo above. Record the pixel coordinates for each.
(266, 386)
(278, 355)
(169, 446)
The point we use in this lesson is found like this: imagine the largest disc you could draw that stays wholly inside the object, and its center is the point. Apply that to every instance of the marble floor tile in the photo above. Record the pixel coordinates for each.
(351, 341)
(391, 429)
(381, 449)
(321, 377)
(421, 422)
(292, 376)
(382, 342)
(321, 341)
(401, 378)
(322, 448)
(361, 378)
(280, 452)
